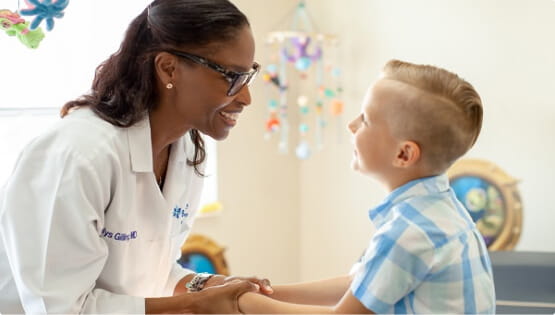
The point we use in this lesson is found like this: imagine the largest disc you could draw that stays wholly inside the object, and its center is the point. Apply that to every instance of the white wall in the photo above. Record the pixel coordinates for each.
(62, 67)
(505, 48)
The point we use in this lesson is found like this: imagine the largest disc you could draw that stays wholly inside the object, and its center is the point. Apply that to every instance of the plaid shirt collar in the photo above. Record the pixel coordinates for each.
(418, 187)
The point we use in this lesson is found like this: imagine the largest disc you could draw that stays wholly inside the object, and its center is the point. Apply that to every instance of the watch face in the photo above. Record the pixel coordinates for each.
(197, 262)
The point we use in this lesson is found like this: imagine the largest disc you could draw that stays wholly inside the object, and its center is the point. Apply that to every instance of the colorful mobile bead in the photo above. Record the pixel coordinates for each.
(303, 150)
(272, 125)
(336, 107)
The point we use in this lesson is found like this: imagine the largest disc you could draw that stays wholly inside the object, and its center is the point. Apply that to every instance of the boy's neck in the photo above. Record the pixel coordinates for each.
(404, 176)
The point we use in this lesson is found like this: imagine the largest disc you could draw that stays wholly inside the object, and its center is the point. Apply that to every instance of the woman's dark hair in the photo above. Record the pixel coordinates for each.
(124, 88)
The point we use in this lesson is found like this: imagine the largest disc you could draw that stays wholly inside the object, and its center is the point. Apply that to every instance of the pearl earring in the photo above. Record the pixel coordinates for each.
(169, 86)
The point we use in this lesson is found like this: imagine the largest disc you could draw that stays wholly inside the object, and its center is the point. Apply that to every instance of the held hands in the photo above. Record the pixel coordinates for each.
(263, 285)
(220, 299)
(217, 295)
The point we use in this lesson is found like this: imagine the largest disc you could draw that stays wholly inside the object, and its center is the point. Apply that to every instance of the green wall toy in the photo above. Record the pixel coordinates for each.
(14, 25)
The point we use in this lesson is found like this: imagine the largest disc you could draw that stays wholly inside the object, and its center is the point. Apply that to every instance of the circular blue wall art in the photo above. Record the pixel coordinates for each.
(201, 254)
(198, 262)
(492, 200)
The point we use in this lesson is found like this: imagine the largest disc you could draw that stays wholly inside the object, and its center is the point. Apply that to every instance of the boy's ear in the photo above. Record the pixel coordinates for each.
(408, 153)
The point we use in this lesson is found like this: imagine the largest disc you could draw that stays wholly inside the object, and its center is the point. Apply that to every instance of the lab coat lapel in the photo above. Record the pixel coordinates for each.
(140, 146)
(178, 175)
(140, 154)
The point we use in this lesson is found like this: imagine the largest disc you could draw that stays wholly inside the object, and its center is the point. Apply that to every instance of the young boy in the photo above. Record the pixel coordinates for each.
(426, 255)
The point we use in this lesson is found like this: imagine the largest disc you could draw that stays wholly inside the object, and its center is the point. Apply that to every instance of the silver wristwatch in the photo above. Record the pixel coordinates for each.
(197, 283)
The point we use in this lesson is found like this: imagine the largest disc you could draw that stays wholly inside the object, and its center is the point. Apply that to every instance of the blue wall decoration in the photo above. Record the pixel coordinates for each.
(492, 199)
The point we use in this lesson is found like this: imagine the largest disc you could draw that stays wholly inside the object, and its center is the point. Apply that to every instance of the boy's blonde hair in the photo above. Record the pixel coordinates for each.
(445, 119)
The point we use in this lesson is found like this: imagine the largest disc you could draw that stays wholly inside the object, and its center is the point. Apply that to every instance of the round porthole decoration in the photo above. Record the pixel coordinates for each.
(492, 199)
(201, 254)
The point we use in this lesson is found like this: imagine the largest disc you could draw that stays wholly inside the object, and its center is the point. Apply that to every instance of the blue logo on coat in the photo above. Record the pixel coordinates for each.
(179, 213)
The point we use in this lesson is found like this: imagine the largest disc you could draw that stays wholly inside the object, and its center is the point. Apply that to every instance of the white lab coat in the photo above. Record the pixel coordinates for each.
(83, 224)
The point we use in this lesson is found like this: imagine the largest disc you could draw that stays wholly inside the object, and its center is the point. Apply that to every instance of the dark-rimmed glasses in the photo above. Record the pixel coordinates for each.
(237, 80)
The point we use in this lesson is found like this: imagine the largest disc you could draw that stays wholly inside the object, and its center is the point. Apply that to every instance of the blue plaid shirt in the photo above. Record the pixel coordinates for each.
(426, 255)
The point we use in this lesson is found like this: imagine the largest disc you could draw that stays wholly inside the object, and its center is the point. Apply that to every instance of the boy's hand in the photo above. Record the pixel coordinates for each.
(263, 284)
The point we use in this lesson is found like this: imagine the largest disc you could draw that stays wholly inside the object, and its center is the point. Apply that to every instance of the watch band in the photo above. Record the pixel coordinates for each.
(197, 283)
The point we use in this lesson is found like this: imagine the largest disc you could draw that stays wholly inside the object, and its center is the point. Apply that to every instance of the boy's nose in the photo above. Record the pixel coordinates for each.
(352, 126)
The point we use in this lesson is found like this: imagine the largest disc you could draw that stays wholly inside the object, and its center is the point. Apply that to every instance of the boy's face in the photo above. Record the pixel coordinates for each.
(375, 147)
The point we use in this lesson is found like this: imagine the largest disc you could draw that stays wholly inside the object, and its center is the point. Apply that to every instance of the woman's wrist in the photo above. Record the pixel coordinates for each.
(180, 286)
(175, 304)
(198, 282)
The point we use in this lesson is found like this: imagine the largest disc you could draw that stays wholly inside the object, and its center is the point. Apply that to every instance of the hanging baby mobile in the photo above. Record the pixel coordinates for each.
(302, 76)
(29, 33)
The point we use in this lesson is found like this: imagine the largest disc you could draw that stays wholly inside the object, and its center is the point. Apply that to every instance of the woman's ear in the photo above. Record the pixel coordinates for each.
(165, 65)
(408, 154)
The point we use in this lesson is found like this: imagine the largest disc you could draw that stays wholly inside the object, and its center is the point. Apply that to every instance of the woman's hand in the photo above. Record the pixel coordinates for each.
(220, 299)
(263, 284)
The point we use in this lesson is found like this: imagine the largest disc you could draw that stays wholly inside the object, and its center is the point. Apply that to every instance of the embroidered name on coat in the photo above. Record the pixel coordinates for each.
(118, 236)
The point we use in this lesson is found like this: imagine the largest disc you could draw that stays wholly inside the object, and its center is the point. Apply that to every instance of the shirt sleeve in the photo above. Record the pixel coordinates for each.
(398, 258)
(49, 224)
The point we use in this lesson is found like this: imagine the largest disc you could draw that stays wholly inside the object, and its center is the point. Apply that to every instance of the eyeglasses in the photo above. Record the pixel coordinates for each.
(237, 80)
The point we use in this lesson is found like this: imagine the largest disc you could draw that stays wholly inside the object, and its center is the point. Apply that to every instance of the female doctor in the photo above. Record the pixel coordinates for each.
(94, 214)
